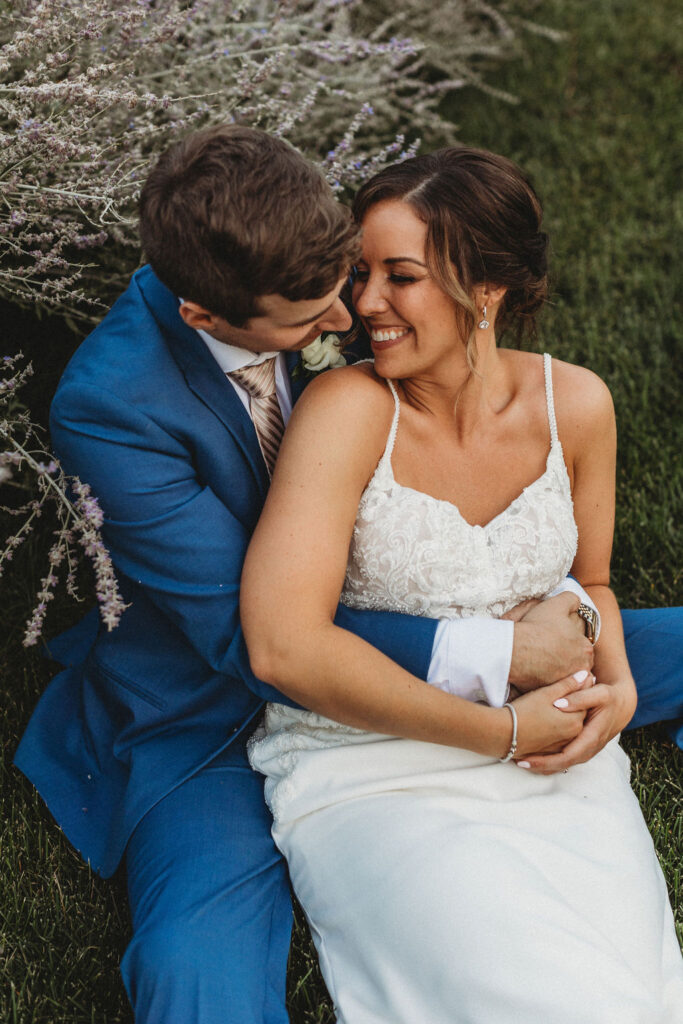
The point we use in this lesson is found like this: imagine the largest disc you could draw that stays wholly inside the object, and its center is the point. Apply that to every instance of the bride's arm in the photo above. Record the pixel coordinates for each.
(587, 427)
(293, 576)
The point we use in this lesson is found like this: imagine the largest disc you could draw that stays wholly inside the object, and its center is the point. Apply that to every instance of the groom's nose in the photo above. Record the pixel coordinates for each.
(337, 318)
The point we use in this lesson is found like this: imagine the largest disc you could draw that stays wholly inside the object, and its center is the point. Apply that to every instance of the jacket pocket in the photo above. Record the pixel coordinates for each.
(131, 686)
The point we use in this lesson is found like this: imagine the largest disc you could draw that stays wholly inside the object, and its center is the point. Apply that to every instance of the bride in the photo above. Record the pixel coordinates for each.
(441, 885)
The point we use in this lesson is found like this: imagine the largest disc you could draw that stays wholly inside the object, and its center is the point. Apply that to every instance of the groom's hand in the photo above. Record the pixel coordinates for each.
(549, 643)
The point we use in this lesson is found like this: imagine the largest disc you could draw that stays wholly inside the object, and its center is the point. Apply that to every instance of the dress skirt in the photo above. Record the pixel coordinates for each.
(442, 887)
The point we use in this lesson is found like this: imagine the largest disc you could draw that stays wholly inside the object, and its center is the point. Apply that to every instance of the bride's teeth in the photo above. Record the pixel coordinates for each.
(387, 335)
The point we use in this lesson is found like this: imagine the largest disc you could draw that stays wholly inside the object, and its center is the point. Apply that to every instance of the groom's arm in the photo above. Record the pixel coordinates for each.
(166, 529)
(479, 658)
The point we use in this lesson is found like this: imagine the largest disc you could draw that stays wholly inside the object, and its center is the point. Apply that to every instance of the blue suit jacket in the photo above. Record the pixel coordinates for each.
(145, 415)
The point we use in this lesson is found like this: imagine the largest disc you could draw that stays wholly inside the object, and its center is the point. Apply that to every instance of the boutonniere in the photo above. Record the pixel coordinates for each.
(320, 354)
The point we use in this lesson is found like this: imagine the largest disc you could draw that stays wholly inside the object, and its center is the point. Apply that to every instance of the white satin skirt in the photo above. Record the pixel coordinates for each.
(445, 888)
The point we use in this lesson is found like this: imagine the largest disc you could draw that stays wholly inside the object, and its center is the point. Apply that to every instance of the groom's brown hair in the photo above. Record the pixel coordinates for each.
(231, 213)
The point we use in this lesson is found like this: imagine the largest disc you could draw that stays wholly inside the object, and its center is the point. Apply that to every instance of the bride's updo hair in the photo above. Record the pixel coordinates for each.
(483, 226)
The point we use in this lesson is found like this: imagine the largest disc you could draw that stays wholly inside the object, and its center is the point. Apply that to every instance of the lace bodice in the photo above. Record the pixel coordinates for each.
(414, 553)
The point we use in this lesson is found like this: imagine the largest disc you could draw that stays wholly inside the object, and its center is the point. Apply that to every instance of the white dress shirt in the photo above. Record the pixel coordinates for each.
(470, 657)
(230, 358)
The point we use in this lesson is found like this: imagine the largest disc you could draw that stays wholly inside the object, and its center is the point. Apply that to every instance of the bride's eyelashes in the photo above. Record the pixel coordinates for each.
(401, 279)
(363, 275)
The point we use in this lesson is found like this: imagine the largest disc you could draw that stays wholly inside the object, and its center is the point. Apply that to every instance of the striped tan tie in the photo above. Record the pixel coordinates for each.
(259, 382)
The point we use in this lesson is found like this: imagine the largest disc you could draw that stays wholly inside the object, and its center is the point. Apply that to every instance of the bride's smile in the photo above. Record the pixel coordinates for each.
(383, 337)
(413, 324)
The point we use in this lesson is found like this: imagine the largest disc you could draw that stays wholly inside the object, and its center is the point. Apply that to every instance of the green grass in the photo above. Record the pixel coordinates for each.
(595, 127)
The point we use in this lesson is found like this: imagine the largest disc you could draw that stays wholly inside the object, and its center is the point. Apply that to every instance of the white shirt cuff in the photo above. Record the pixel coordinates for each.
(471, 659)
(570, 584)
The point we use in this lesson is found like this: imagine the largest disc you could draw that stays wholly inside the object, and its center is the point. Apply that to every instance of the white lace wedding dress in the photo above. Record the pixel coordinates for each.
(441, 886)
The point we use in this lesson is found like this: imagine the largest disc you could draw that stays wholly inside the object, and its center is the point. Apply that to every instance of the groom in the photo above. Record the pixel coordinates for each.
(172, 411)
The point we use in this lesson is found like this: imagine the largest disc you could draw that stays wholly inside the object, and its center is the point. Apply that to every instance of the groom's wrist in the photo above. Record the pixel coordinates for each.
(572, 586)
(526, 639)
(549, 644)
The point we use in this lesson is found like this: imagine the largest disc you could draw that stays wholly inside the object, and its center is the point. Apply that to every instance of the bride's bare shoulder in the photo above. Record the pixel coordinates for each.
(347, 409)
(578, 392)
(583, 403)
(349, 391)
(354, 375)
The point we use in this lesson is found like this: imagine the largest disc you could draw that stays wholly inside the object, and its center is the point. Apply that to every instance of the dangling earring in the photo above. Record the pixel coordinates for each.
(483, 323)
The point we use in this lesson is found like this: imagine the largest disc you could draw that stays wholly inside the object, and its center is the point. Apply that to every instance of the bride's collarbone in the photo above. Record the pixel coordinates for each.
(481, 475)
(482, 455)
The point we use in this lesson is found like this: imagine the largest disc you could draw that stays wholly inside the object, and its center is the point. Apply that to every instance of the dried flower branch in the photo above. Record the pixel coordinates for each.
(90, 94)
(78, 514)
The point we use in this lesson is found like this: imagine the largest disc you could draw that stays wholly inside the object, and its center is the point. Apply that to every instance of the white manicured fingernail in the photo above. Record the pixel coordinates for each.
(561, 702)
(580, 676)
(523, 764)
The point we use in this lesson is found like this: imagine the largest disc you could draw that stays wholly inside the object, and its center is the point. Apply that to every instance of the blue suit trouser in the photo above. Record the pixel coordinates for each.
(210, 904)
(654, 644)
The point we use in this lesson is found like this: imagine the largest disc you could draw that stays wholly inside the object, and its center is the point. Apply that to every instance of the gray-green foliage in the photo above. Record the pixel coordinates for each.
(91, 93)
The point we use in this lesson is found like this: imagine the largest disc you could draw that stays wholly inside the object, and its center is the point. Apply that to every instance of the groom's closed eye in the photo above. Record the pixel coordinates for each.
(312, 319)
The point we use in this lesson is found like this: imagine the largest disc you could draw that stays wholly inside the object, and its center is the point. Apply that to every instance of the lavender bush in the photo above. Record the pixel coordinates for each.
(37, 481)
(91, 93)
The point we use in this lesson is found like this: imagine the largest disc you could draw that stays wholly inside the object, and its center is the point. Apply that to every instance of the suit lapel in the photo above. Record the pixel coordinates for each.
(298, 383)
(201, 371)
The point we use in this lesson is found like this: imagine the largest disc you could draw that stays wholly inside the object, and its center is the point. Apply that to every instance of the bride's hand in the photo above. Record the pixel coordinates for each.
(542, 726)
(608, 708)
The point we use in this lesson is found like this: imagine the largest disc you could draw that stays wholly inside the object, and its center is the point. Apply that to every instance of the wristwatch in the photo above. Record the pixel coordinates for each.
(590, 618)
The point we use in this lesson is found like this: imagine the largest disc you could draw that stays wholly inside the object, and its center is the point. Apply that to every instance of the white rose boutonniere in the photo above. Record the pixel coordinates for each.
(322, 354)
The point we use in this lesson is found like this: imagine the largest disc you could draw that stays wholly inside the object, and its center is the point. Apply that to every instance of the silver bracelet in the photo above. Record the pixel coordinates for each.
(513, 745)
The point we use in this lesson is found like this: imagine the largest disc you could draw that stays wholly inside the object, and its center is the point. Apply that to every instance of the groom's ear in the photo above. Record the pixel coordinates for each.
(197, 317)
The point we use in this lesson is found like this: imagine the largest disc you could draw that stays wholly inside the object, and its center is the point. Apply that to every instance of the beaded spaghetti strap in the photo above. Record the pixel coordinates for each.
(391, 440)
(550, 401)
